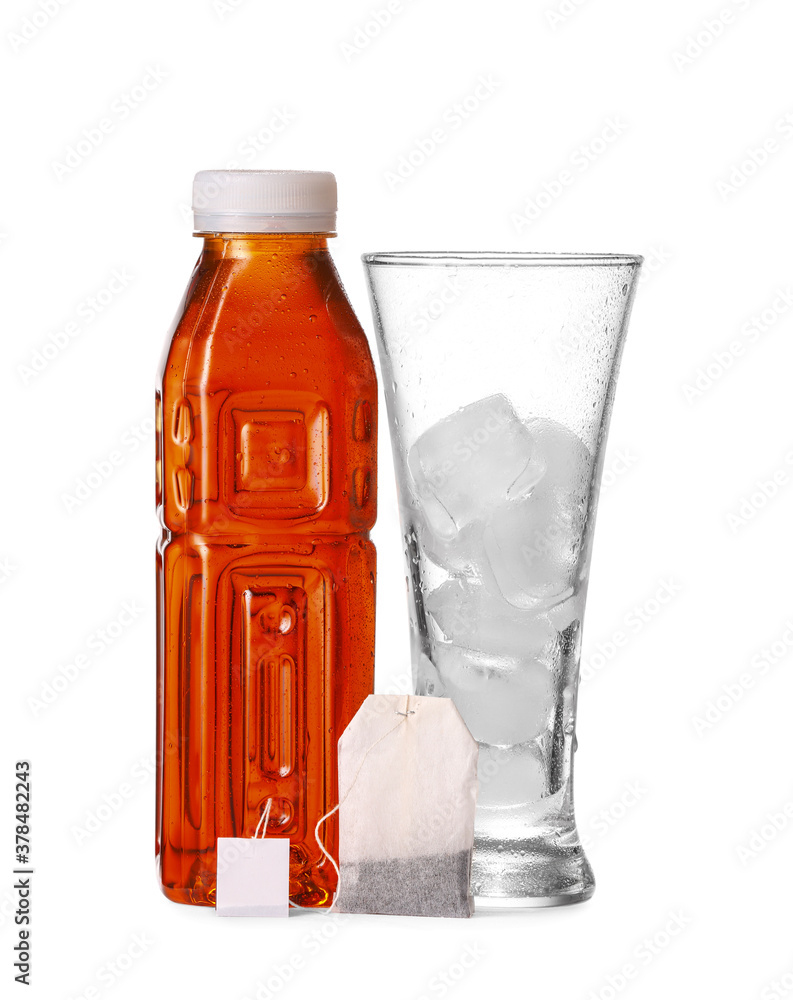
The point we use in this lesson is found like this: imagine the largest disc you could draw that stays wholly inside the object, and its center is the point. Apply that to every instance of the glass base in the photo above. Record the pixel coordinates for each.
(529, 873)
(529, 902)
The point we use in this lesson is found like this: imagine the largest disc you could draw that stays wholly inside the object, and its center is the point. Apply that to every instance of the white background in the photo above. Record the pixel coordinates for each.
(675, 811)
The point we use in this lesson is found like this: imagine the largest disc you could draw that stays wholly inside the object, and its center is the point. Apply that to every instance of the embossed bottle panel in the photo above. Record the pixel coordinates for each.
(266, 487)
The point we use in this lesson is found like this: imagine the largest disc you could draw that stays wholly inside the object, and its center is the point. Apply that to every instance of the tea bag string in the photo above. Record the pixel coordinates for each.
(403, 718)
(264, 818)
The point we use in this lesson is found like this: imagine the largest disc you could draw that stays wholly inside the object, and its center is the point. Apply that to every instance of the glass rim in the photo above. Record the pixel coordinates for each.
(463, 258)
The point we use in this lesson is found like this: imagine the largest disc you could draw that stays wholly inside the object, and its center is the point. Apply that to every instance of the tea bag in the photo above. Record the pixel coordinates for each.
(407, 792)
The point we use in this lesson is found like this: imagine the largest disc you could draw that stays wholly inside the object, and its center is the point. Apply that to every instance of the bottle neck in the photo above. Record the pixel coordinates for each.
(229, 245)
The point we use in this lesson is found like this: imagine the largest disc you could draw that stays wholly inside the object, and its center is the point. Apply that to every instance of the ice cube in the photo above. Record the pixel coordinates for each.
(509, 776)
(533, 544)
(503, 700)
(428, 681)
(471, 461)
(566, 458)
(562, 615)
(471, 615)
(463, 554)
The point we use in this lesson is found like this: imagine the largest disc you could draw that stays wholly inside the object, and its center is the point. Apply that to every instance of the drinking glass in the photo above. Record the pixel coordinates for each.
(499, 372)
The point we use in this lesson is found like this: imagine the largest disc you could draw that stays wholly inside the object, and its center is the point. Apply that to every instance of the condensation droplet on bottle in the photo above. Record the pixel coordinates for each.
(288, 619)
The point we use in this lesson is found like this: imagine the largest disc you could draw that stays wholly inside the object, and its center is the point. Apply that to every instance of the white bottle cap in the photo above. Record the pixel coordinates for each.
(264, 201)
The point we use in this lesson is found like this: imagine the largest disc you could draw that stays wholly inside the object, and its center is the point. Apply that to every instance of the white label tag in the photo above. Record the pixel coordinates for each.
(253, 877)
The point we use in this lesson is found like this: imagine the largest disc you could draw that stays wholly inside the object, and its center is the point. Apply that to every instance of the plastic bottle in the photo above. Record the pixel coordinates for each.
(266, 491)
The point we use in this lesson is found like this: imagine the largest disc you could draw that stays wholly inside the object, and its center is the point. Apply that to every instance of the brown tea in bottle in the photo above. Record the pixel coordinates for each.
(266, 490)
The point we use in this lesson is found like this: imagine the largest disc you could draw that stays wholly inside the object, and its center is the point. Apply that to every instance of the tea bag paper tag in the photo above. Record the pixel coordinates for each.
(252, 877)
